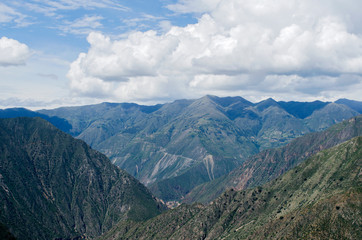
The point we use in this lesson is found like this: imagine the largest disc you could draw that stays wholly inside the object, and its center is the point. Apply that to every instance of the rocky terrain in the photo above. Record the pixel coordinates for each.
(55, 186)
(319, 199)
(271, 163)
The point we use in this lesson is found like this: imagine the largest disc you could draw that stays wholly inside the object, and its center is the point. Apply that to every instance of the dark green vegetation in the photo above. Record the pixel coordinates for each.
(54, 186)
(318, 199)
(176, 146)
(5, 234)
(271, 163)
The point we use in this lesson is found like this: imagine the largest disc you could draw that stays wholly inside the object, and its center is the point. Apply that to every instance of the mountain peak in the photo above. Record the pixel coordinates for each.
(269, 100)
(228, 101)
(355, 105)
(261, 106)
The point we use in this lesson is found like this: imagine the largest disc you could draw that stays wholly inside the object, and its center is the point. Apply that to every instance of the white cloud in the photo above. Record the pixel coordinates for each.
(260, 46)
(165, 26)
(37, 104)
(8, 15)
(12, 52)
(55, 9)
(82, 26)
(191, 6)
(76, 4)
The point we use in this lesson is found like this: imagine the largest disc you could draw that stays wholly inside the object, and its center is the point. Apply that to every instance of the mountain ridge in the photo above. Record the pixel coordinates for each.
(55, 186)
(297, 205)
(174, 147)
(271, 163)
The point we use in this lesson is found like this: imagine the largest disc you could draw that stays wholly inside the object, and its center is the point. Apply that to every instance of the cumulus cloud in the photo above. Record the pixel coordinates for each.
(260, 46)
(12, 52)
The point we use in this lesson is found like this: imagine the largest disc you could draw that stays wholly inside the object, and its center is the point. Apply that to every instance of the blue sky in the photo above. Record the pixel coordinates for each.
(74, 52)
(50, 25)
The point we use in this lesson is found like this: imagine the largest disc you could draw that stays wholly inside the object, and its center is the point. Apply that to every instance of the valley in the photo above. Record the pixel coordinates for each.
(168, 147)
(229, 168)
(180, 120)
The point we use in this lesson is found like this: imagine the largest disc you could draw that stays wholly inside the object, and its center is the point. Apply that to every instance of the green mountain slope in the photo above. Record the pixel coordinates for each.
(54, 186)
(271, 163)
(319, 199)
(355, 105)
(174, 147)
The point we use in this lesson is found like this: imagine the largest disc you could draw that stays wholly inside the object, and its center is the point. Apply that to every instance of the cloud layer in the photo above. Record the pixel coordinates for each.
(283, 48)
(12, 52)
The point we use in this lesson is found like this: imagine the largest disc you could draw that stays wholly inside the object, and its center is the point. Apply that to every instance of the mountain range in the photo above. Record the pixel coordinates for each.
(53, 186)
(318, 199)
(271, 163)
(174, 147)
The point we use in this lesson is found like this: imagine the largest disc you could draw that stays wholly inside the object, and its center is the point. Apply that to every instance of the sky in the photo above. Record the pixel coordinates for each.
(77, 52)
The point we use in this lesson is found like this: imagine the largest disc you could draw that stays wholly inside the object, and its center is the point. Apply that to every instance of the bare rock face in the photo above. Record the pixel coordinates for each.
(53, 186)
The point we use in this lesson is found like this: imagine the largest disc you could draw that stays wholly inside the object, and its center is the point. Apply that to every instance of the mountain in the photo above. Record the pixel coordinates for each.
(319, 199)
(355, 105)
(55, 186)
(271, 163)
(302, 109)
(174, 147)
(5, 234)
(60, 123)
(327, 116)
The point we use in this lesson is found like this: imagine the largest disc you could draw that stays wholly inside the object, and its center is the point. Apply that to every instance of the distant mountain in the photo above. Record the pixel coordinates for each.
(176, 146)
(60, 123)
(53, 186)
(355, 105)
(319, 199)
(331, 114)
(302, 109)
(271, 163)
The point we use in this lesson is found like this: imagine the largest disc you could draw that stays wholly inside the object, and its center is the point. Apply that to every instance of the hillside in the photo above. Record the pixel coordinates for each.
(54, 186)
(271, 163)
(355, 105)
(174, 147)
(60, 123)
(319, 199)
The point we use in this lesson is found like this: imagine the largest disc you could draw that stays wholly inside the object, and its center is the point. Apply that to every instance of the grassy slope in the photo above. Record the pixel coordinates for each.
(296, 205)
(271, 163)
